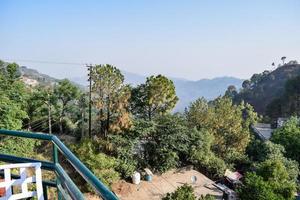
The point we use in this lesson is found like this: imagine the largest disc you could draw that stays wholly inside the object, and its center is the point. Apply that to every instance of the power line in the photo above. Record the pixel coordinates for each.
(34, 122)
(42, 131)
(89, 66)
(43, 61)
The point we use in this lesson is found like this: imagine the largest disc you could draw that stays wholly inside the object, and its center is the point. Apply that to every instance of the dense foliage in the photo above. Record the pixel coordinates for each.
(12, 97)
(267, 86)
(185, 192)
(274, 176)
(110, 98)
(287, 104)
(134, 128)
(228, 123)
(102, 166)
(157, 96)
(289, 137)
(270, 181)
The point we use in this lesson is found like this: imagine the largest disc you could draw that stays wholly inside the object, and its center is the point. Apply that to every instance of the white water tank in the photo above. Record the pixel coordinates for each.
(136, 178)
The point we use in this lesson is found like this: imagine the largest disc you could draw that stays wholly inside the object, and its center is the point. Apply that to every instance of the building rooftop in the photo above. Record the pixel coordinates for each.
(264, 131)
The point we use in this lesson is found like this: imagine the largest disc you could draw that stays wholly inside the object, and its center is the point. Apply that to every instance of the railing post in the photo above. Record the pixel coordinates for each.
(55, 154)
(55, 160)
(45, 191)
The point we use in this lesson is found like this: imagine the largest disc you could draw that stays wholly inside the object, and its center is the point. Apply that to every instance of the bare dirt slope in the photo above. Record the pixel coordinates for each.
(167, 182)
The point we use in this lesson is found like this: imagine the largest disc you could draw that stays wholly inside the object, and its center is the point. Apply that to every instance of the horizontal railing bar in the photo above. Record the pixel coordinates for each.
(50, 183)
(15, 159)
(102, 190)
(68, 184)
(40, 136)
(46, 183)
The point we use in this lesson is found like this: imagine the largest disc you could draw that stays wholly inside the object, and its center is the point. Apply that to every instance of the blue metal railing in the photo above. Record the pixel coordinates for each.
(66, 187)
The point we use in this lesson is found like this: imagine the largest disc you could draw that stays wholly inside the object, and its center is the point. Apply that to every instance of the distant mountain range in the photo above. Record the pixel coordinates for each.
(186, 90)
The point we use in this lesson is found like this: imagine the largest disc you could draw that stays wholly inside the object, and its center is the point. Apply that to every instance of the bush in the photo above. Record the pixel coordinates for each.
(256, 188)
(204, 159)
(165, 143)
(271, 181)
(163, 159)
(123, 150)
(185, 192)
(213, 166)
(9, 145)
(207, 197)
(289, 136)
(103, 166)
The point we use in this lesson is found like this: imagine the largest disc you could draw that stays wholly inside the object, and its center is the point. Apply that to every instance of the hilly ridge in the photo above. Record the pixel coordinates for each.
(263, 88)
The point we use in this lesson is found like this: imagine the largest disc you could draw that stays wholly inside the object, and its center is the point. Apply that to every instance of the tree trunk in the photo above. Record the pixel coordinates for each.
(61, 118)
(49, 119)
(102, 129)
(149, 113)
(107, 119)
(60, 125)
(29, 125)
(82, 124)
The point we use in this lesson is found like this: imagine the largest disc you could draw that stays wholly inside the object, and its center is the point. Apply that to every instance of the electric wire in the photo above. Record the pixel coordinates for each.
(44, 62)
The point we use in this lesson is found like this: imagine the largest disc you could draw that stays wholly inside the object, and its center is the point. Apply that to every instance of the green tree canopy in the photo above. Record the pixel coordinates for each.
(271, 181)
(111, 98)
(157, 96)
(287, 104)
(228, 123)
(231, 92)
(66, 92)
(289, 136)
(12, 97)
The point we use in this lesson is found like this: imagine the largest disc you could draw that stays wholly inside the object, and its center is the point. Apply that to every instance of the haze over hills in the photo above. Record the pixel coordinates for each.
(187, 90)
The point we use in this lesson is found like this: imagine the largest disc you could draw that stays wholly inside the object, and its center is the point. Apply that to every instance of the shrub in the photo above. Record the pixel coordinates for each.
(122, 148)
(102, 165)
(204, 159)
(289, 136)
(209, 163)
(9, 145)
(185, 192)
(271, 181)
(207, 197)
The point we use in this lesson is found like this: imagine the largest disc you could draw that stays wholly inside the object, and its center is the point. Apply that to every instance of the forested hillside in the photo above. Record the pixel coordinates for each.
(133, 128)
(35, 75)
(261, 89)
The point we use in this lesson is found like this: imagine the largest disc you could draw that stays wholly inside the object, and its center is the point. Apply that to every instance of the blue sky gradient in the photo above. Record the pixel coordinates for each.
(188, 39)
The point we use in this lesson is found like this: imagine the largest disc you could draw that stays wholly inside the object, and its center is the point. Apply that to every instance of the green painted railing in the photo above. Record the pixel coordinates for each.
(66, 188)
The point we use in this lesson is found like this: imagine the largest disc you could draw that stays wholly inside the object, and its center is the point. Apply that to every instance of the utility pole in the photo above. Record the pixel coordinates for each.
(90, 98)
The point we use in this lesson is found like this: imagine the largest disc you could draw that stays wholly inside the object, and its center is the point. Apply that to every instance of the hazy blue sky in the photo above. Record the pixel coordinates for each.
(189, 39)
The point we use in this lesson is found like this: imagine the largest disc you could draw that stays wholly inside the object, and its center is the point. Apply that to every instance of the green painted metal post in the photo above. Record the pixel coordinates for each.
(55, 160)
(45, 191)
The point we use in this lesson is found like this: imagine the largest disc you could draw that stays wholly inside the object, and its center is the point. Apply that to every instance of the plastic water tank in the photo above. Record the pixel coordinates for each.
(136, 178)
